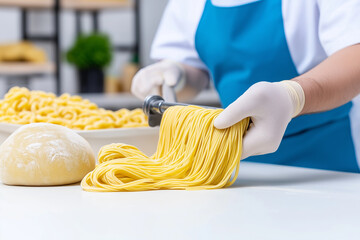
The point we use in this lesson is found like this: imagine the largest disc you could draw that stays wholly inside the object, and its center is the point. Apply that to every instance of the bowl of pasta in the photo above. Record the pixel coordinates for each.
(98, 126)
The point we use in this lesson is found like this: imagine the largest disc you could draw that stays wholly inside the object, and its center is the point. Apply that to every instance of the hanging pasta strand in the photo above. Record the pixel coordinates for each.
(191, 155)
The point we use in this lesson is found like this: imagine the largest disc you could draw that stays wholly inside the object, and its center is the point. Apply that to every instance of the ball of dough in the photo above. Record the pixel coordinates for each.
(40, 154)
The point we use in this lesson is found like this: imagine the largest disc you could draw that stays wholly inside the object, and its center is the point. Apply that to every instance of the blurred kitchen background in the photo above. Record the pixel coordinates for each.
(124, 33)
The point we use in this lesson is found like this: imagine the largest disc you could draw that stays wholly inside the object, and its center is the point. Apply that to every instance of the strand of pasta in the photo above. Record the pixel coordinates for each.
(191, 154)
(21, 106)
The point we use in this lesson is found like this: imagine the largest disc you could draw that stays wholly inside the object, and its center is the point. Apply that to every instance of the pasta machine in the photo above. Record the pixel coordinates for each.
(154, 106)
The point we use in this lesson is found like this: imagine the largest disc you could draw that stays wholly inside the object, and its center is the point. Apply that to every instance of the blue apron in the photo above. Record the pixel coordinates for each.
(245, 44)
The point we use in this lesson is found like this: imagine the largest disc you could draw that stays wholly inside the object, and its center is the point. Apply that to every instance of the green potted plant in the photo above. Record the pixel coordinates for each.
(91, 54)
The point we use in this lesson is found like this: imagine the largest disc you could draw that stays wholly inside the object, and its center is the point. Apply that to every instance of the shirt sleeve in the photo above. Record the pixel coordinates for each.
(339, 24)
(175, 37)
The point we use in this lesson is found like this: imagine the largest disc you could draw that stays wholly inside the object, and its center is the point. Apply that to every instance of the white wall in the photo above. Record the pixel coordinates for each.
(118, 24)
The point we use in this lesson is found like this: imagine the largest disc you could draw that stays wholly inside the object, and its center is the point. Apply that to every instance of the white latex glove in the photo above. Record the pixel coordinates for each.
(149, 80)
(271, 106)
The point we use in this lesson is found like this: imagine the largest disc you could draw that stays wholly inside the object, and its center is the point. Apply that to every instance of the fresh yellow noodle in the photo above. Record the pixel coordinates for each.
(191, 154)
(21, 106)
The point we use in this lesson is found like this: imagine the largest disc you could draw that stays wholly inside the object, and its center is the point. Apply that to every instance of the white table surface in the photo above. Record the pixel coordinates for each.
(266, 202)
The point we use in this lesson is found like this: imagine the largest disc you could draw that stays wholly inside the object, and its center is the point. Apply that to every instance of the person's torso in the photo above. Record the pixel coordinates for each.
(242, 42)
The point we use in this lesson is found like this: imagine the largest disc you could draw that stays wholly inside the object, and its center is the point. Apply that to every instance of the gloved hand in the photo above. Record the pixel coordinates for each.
(271, 106)
(148, 81)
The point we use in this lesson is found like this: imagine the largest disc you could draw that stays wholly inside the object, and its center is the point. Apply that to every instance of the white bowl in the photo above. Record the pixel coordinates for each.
(144, 138)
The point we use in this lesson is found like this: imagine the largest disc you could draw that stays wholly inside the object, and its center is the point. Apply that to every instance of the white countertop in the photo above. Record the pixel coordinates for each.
(266, 202)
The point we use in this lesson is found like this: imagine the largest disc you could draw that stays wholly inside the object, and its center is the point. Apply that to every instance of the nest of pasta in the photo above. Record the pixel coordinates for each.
(22, 52)
(22, 106)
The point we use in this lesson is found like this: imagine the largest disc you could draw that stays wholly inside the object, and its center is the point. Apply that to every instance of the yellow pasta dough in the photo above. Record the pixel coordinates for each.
(21, 106)
(45, 154)
(191, 154)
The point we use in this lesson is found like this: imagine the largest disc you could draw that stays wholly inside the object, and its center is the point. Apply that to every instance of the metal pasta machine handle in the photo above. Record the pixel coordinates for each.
(154, 106)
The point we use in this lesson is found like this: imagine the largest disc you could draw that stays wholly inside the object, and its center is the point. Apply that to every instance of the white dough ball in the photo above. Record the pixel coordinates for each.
(40, 154)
